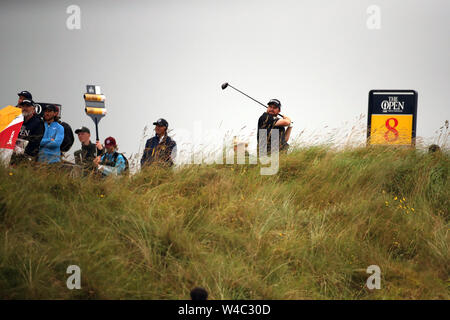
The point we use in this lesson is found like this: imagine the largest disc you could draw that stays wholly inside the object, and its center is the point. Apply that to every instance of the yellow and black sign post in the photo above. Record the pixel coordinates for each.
(392, 117)
(95, 105)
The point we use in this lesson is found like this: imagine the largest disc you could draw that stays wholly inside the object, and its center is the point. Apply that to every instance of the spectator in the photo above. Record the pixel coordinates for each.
(49, 151)
(160, 149)
(89, 151)
(112, 162)
(31, 133)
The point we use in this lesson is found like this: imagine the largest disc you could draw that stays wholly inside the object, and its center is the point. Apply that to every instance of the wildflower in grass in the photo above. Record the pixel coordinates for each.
(10, 173)
(404, 199)
(412, 209)
(395, 198)
(102, 196)
(386, 203)
(383, 192)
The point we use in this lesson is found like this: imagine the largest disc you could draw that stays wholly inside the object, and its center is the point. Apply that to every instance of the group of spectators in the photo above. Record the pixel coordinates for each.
(44, 139)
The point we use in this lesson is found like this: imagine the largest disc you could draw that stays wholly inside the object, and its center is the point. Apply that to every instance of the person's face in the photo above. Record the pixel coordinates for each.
(272, 110)
(109, 149)
(27, 110)
(84, 137)
(160, 130)
(49, 115)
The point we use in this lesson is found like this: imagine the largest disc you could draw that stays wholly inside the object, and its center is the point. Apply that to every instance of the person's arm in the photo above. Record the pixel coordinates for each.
(100, 149)
(56, 142)
(44, 139)
(283, 122)
(118, 169)
(96, 162)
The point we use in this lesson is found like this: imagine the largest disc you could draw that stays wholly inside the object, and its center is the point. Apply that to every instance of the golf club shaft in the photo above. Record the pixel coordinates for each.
(229, 85)
(247, 96)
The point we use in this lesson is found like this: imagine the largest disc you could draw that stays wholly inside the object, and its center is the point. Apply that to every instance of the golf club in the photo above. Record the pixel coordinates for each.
(226, 85)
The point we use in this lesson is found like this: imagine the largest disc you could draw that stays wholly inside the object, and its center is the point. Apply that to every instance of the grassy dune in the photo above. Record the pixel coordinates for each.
(308, 232)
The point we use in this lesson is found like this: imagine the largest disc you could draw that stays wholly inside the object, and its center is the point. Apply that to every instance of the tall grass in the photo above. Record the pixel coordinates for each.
(308, 232)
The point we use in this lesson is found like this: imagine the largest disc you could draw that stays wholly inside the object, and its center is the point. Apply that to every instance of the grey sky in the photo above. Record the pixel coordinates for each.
(168, 59)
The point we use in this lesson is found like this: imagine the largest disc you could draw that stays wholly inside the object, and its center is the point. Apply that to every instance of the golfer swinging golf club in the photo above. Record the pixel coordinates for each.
(270, 121)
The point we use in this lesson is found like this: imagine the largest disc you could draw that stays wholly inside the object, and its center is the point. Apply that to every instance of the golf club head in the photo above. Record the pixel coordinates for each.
(224, 86)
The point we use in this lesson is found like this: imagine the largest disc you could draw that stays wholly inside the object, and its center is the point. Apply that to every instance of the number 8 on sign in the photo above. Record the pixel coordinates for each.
(391, 129)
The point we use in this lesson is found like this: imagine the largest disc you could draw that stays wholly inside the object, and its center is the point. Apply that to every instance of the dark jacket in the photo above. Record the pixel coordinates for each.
(159, 152)
(32, 131)
(267, 122)
(86, 155)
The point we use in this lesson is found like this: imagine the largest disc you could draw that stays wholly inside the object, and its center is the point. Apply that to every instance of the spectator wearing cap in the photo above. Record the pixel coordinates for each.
(112, 162)
(32, 131)
(160, 149)
(24, 95)
(50, 151)
(270, 121)
(89, 151)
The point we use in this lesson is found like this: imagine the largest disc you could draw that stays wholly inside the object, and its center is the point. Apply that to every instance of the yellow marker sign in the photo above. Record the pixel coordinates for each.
(94, 97)
(391, 129)
(392, 117)
(95, 111)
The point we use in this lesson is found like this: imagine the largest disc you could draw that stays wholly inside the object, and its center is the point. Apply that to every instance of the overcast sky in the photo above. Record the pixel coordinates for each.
(168, 59)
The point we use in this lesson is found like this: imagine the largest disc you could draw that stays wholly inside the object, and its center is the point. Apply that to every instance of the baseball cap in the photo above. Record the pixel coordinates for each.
(82, 129)
(161, 122)
(51, 107)
(25, 94)
(274, 102)
(26, 102)
(110, 142)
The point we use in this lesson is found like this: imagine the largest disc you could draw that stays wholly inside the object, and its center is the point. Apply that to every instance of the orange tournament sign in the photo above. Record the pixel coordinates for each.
(392, 117)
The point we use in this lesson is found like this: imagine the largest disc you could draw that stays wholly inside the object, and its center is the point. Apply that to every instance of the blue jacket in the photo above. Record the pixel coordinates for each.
(112, 163)
(49, 151)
